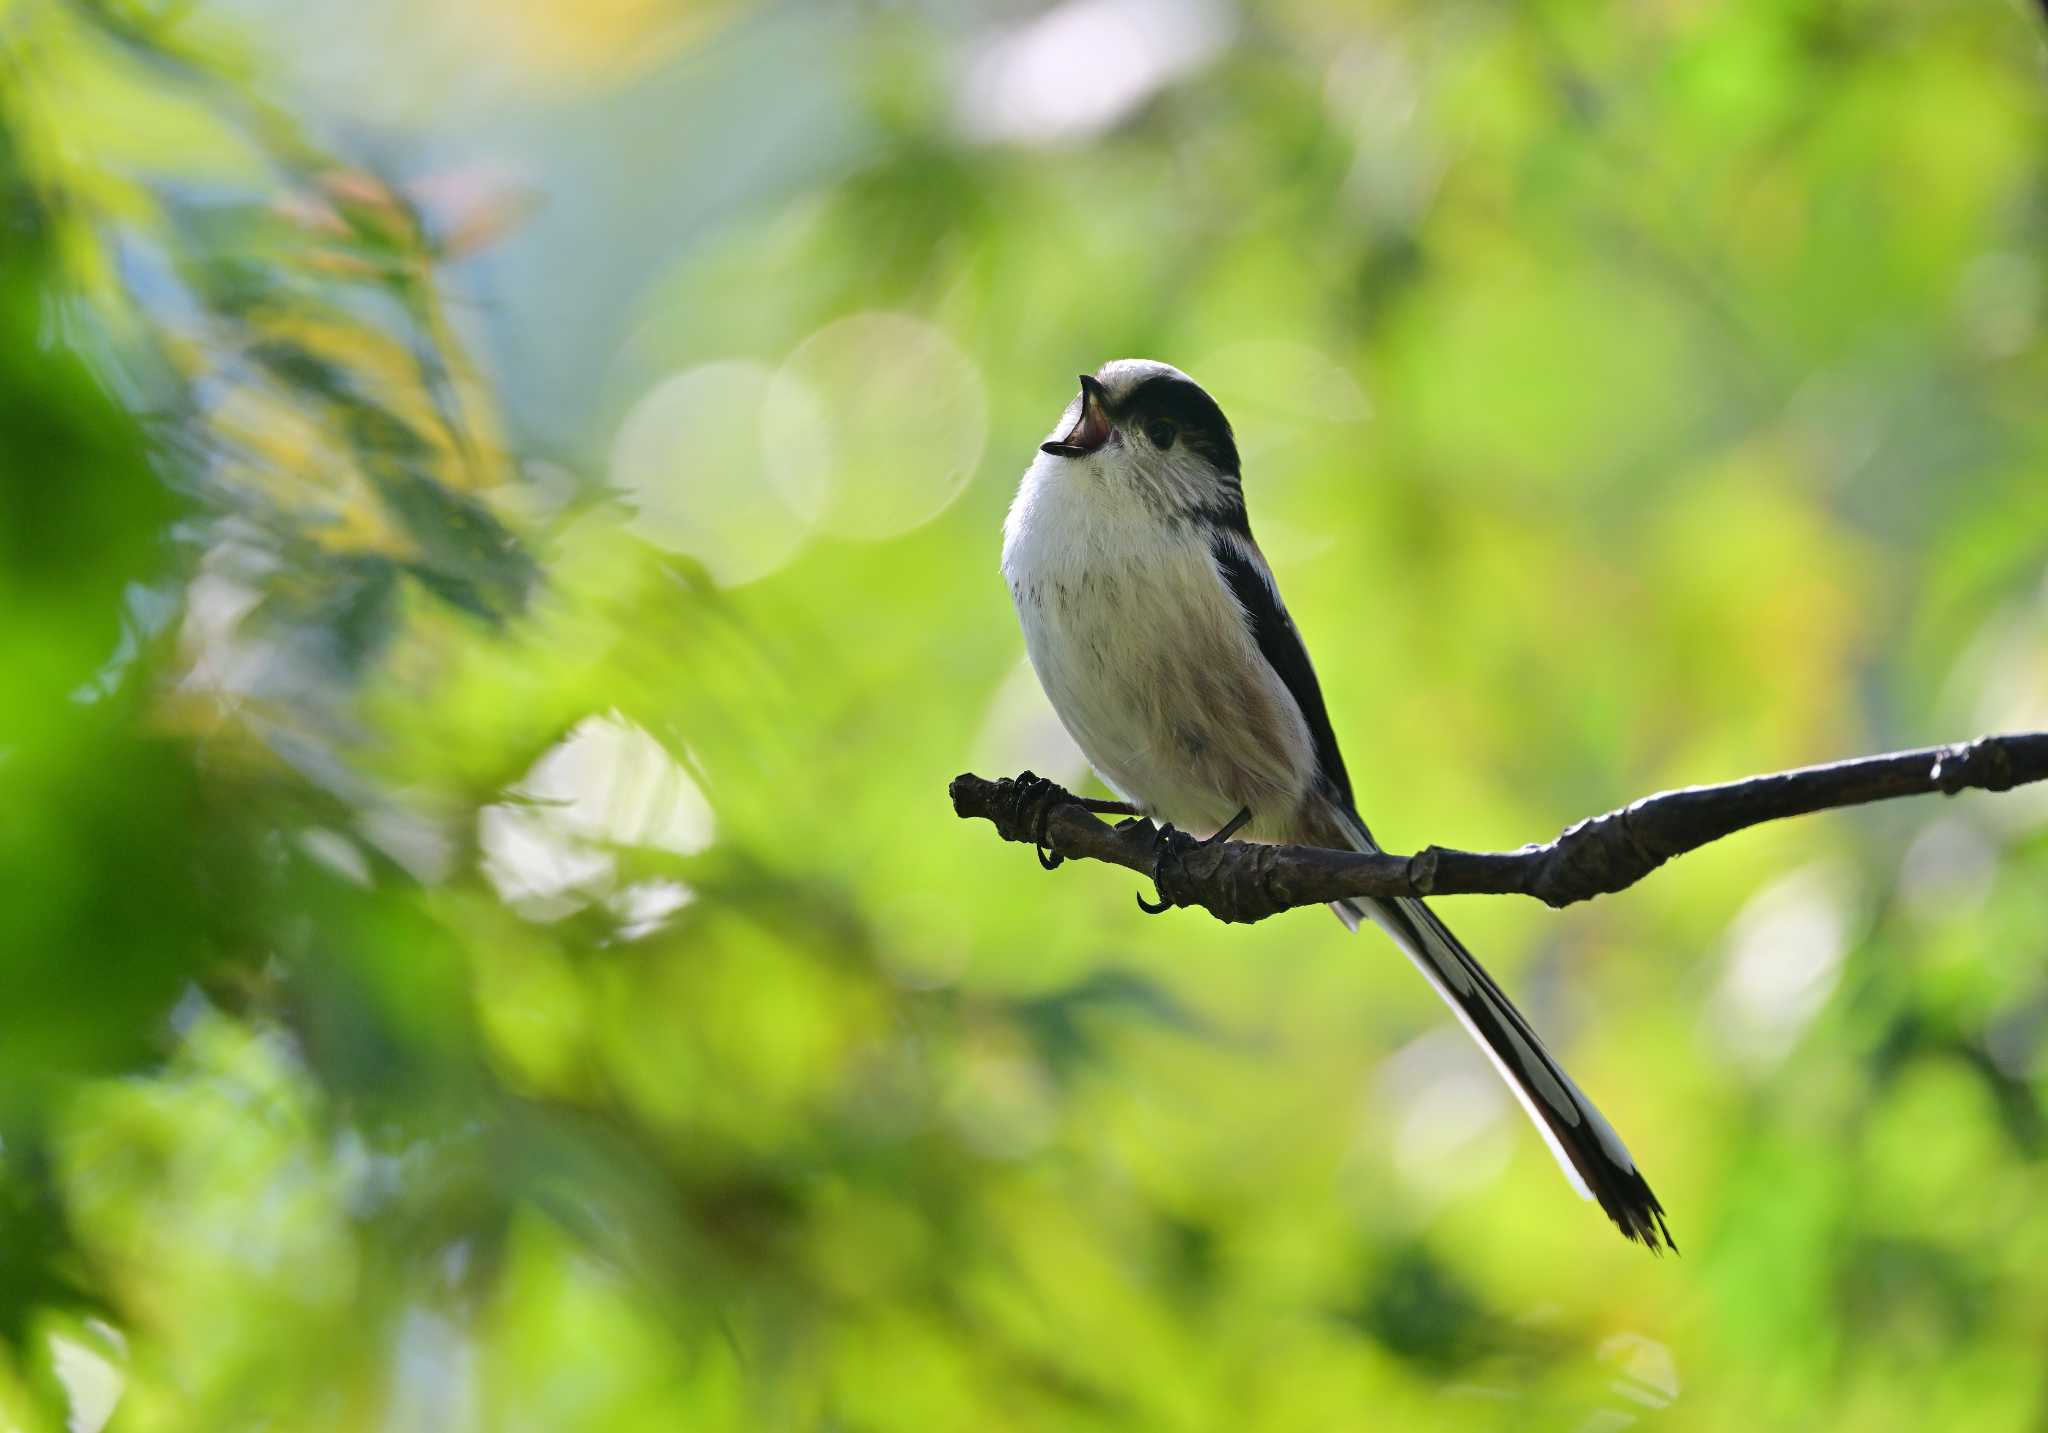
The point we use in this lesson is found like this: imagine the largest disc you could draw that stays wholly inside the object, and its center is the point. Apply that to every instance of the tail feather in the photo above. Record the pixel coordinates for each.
(1586, 1147)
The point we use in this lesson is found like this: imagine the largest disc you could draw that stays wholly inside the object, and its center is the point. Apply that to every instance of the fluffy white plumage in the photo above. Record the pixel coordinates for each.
(1145, 655)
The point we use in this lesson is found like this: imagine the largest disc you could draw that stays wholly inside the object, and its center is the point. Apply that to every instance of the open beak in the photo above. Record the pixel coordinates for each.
(1091, 427)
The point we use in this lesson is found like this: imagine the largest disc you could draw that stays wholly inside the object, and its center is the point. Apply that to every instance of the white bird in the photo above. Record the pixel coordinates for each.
(1156, 629)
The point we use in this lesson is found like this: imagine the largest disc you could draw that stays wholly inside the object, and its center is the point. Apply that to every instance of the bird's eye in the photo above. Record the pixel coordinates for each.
(1161, 431)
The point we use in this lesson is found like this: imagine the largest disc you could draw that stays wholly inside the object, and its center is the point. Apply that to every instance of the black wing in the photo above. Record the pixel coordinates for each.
(1237, 557)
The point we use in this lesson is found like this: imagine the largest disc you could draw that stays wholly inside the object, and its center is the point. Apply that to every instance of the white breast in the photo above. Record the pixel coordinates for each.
(1146, 655)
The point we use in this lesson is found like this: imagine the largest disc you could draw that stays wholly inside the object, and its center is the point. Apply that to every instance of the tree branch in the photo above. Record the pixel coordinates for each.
(1246, 881)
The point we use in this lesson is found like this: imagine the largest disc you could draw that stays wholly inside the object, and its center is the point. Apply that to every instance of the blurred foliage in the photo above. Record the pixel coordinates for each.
(498, 514)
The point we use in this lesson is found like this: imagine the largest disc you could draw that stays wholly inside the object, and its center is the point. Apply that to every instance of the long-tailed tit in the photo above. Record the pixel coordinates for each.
(1156, 629)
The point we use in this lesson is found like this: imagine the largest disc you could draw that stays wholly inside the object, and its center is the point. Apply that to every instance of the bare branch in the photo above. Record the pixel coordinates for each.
(1245, 881)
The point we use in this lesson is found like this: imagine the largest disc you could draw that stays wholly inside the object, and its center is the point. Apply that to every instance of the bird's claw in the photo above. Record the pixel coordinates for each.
(1169, 874)
(1169, 869)
(1035, 798)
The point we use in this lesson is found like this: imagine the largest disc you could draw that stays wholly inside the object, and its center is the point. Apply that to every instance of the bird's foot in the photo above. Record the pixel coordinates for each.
(1169, 863)
(1169, 869)
(1033, 799)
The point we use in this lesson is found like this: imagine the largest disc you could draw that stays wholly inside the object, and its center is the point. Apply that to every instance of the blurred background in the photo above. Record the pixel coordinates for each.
(499, 513)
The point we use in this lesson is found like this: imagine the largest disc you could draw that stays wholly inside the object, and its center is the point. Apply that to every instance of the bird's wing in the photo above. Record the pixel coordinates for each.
(1250, 581)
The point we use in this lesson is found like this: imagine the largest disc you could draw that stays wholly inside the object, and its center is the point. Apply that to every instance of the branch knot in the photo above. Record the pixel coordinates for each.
(1984, 763)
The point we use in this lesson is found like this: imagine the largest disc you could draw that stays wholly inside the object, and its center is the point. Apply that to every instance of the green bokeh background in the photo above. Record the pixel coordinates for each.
(499, 507)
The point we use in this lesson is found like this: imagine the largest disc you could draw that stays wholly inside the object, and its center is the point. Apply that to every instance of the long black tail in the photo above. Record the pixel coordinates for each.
(1587, 1148)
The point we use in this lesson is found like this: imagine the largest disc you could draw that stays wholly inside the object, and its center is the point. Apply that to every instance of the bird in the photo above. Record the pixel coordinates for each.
(1155, 627)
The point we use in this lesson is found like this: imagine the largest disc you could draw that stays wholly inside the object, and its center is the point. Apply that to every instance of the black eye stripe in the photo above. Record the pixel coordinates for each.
(1199, 422)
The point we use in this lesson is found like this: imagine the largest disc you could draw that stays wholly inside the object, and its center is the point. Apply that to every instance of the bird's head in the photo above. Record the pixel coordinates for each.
(1151, 426)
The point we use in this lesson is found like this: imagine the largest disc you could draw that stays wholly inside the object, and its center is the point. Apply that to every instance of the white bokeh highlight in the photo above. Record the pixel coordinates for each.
(1948, 870)
(690, 460)
(1447, 1113)
(1780, 962)
(1080, 68)
(646, 906)
(91, 1378)
(1647, 1371)
(874, 425)
(607, 784)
